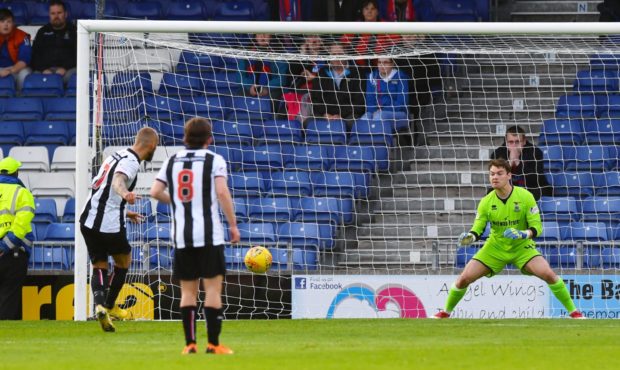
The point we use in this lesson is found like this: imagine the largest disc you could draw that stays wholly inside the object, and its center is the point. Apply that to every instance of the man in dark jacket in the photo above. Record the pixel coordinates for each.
(339, 91)
(55, 47)
(526, 161)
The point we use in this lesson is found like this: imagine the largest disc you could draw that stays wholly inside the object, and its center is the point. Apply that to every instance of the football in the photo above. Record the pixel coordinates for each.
(258, 259)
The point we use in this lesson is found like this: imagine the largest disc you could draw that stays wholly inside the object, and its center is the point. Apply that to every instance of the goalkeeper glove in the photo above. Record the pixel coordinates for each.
(515, 234)
(466, 238)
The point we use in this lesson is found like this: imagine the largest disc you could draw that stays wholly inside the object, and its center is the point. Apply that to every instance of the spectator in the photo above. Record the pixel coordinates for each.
(16, 214)
(332, 10)
(400, 10)
(264, 77)
(386, 92)
(55, 47)
(15, 49)
(303, 73)
(338, 91)
(526, 161)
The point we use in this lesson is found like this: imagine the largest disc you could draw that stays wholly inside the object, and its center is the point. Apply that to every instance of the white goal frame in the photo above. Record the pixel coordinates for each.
(86, 27)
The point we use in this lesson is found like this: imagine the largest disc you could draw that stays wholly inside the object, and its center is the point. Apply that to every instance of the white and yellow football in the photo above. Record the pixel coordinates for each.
(258, 259)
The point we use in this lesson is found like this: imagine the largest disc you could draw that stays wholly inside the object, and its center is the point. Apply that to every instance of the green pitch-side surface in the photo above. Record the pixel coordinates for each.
(319, 344)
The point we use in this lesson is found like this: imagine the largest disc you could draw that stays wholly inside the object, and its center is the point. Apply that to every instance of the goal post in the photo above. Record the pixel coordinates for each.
(411, 191)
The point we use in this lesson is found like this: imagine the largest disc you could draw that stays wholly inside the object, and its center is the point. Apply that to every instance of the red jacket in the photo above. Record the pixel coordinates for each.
(14, 40)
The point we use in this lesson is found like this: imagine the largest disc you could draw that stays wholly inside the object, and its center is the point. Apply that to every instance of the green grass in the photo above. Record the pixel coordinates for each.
(318, 344)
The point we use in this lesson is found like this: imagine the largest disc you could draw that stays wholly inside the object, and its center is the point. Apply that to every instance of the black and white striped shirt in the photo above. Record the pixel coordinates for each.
(190, 177)
(105, 209)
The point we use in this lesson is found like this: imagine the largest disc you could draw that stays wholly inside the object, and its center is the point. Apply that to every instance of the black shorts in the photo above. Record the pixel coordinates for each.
(195, 263)
(101, 245)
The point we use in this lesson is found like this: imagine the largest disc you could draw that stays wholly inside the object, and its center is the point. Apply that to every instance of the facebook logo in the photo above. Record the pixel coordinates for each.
(300, 283)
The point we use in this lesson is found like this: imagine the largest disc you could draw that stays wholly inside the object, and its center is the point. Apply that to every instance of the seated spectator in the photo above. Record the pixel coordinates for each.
(264, 77)
(15, 49)
(337, 92)
(400, 10)
(386, 92)
(303, 73)
(526, 161)
(55, 47)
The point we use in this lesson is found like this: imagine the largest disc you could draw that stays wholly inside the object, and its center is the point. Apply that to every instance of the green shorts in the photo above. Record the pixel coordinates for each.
(496, 259)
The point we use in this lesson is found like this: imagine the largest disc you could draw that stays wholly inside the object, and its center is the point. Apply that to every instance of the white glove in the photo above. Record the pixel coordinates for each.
(467, 238)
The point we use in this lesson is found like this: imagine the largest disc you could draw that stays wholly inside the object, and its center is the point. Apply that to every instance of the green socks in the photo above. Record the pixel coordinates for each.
(454, 297)
(561, 293)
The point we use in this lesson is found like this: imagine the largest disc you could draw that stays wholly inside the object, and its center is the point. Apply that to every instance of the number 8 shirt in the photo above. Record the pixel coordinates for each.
(190, 177)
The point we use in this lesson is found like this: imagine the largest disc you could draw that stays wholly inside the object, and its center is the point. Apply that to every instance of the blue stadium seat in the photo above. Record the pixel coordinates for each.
(176, 84)
(246, 184)
(576, 106)
(375, 132)
(186, 10)
(163, 213)
(305, 234)
(43, 85)
(49, 258)
(191, 61)
(256, 232)
(224, 83)
(241, 209)
(555, 157)
(46, 133)
(280, 259)
(45, 211)
(60, 109)
(346, 210)
(333, 184)
(68, 214)
(270, 209)
(550, 232)
(60, 232)
(608, 106)
(129, 83)
(311, 157)
(89, 11)
(559, 209)
(290, 183)
(161, 257)
(455, 10)
(234, 257)
(607, 184)
(561, 131)
(565, 257)
(281, 131)
(71, 89)
(39, 13)
(360, 158)
(305, 259)
(248, 108)
(596, 80)
(310, 209)
(591, 158)
(19, 10)
(22, 109)
(266, 157)
(211, 107)
(232, 132)
(601, 209)
(143, 10)
(328, 132)
(464, 254)
(587, 231)
(11, 134)
(610, 258)
(121, 109)
(142, 206)
(158, 233)
(571, 184)
(163, 108)
(602, 132)
(231, 155)
(605, 61)
(7, 87)
(234, 11)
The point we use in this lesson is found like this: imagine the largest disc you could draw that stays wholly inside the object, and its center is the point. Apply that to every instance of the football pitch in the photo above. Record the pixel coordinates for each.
(318, 344)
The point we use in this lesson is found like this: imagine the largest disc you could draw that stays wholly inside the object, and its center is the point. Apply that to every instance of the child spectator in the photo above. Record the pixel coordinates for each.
(386, 92)
(15, 49)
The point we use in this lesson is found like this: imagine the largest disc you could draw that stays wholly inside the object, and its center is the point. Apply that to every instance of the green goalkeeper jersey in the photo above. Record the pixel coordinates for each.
(518, 211)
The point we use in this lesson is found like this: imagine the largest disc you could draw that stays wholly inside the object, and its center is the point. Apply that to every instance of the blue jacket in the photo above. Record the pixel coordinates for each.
(391, 95)
(265, 73)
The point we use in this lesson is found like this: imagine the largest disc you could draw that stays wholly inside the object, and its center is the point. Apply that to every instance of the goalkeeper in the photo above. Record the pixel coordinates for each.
(515, 221)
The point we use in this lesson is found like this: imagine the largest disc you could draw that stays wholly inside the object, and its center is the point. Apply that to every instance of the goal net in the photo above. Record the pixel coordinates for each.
(358, 155)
